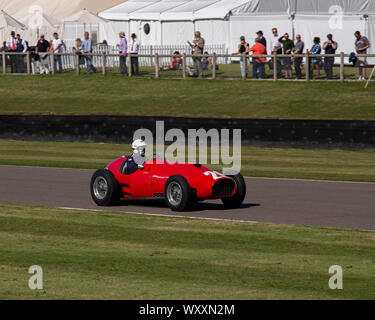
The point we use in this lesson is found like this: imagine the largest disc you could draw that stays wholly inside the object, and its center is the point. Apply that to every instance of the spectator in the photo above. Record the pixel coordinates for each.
(175, 62)
(42, 49)
(134, 47)
(198, 49)
(12, 47)
(277, 46)
(258, 63)
(288, 46)
(262, 39)
(298, 49)
(78, 50)
(329, 47)
(243, 47)
(361, 46)
(4, 47)
(316, 61)
(87, 49)
(57, 48)
(123, 51)
(21, 48)
(206, 61)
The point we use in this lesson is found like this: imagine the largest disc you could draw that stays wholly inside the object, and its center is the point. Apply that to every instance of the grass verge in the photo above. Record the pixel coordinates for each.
(108, 255)
(144, 96)
(256, 162)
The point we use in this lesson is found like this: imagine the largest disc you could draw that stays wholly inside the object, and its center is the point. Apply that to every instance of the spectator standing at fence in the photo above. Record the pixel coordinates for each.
(288, 46)
(198, 48)
(133, 50)
(57, 48)
(298, 49)
(21, 48)
(258, 63)
(316, 61)
(42, 48)
(361, 46)
(12, 47)
(123, 51)
(87, 50)
(261, 38)
(277, 46)
(243, 47)
(329, 47)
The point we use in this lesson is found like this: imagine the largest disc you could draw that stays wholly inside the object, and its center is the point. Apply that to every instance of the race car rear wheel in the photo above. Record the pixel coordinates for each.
(104, 188)
(177, 193)
(236, 200)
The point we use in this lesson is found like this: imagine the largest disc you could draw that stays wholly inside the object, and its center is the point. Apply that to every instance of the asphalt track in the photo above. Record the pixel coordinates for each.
(300, 202)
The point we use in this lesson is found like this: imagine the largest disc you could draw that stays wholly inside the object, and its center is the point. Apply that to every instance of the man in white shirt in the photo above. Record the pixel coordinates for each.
(12, 47)
(277, 46)
(57, 46)
(133, 50)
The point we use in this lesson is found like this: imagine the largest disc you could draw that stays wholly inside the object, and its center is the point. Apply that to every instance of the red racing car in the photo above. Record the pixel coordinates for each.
(178, 184)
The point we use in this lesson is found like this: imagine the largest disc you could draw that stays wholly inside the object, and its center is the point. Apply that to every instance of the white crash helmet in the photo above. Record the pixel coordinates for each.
(139, 147)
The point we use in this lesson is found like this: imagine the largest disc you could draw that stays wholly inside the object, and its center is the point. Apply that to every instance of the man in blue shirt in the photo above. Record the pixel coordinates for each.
(87, 49)
(123, 51)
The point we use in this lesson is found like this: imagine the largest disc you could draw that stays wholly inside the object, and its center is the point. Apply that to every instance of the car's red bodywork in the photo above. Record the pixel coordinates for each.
(149, 182)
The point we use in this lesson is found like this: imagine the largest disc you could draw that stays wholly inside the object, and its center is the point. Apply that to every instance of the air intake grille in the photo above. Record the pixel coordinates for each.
(224, 187)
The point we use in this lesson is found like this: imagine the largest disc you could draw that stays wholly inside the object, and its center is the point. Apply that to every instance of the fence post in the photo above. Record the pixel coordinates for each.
(28, 62)
(214, 66)
(4, 63)
(157, 68)
(184, 66)
(275, 65)
(78, 67)
(342, 73)
(307, 66)
(130, 65)
(104, 64)
(53, 62)
(245, 65)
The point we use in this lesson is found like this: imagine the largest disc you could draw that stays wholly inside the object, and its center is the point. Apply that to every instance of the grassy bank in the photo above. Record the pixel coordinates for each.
(257, 162)
(107, 255)
(69, 94)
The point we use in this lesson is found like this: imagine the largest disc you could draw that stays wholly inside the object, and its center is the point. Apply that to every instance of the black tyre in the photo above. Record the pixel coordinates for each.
(177, 193)
(236, 200)
(105, 190)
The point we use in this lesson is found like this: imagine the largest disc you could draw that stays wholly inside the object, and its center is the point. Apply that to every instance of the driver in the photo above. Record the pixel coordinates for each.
(137, 159)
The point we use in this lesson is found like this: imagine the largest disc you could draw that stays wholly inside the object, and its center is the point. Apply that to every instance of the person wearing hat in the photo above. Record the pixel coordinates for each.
(133, 50)
(261, 38)
(243, 47)
(123, 52)
(329, 47)
(361, 46)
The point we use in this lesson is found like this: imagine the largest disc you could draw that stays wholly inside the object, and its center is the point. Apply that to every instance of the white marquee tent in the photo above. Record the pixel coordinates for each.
(173, 22)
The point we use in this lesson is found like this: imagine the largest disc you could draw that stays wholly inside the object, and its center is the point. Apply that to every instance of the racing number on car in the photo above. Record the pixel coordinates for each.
(215, 175)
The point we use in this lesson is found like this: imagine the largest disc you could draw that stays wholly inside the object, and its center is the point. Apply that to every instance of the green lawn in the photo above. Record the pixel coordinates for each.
(256, 162)
(108, 255)
(144, 96)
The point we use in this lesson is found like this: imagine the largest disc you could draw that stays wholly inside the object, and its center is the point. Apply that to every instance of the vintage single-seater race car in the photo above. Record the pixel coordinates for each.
(178, 184)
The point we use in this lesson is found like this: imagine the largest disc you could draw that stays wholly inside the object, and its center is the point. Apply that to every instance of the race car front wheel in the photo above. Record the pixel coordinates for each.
(177, 193)
(236, 200)
(104, 188)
